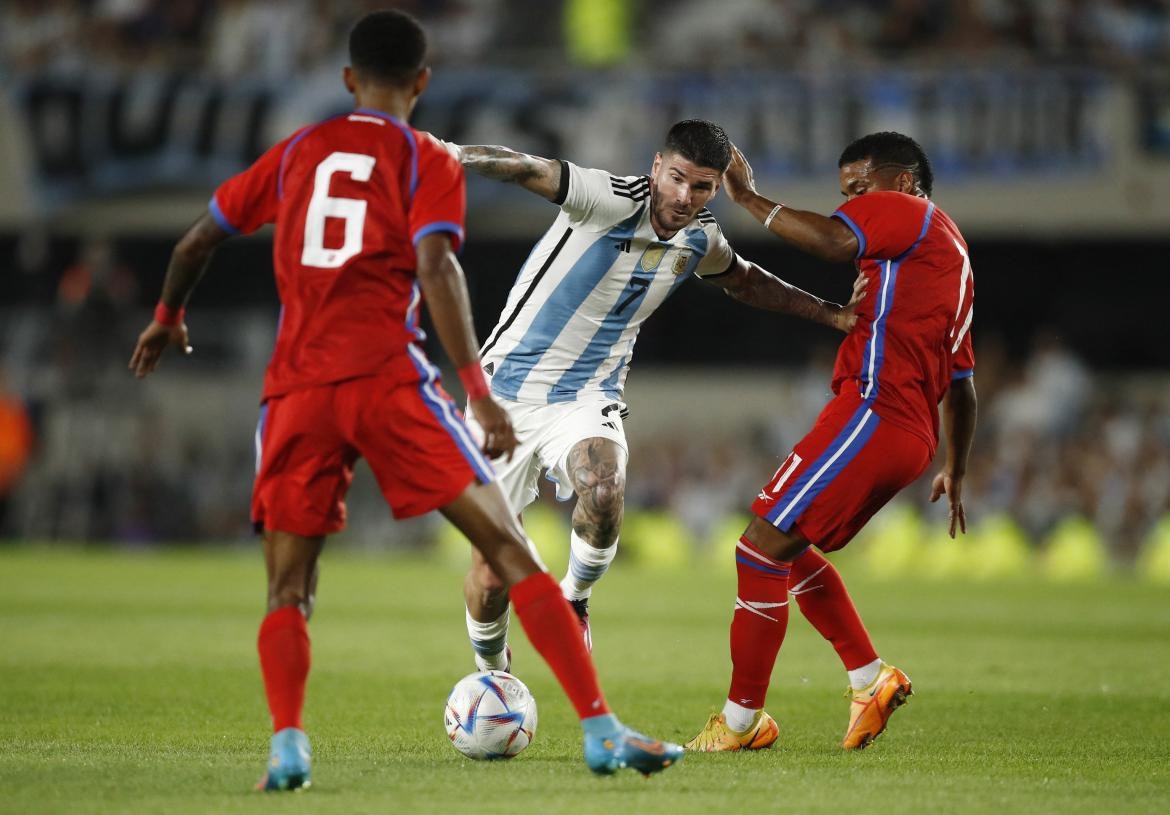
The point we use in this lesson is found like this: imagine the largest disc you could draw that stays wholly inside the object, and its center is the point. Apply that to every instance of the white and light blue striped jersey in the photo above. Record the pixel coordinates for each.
(572, 317)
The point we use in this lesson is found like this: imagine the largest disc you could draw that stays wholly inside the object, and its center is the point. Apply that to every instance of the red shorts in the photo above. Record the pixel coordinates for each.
(307, 441)
(847, 468)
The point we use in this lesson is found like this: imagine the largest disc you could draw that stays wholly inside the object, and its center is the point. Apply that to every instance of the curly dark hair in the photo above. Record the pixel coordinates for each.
(389, 46)
(888, 147)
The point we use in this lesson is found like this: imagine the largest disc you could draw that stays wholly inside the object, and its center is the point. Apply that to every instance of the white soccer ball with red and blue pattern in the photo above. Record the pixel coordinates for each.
(490, 715)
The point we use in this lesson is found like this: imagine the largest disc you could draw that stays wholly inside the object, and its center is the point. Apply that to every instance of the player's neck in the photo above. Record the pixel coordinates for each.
(395, 103)
(662, 232)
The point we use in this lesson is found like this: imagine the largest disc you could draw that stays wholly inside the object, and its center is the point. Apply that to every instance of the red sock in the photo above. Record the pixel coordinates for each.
(825, 602)
(759, 623)
(284, 660)
(553, 629)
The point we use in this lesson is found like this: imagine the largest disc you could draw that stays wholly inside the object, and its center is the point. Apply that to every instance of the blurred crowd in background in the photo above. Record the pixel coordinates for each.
(172, 458)
(86, 454)
(278, 40)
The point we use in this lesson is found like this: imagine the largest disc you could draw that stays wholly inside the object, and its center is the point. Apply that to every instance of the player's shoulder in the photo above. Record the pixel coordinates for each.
(889, 200)
(635, 188)
(706, 219)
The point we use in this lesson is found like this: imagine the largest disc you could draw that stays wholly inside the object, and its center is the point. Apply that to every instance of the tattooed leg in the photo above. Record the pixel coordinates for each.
(598, 469)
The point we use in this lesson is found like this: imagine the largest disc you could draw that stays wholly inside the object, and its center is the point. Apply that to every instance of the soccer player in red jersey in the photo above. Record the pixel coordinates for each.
(368, 212)
(910, 348)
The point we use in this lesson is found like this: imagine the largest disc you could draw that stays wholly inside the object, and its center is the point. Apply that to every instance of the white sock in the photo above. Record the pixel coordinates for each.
(490, 642)
(586, 566)
(738, 717)
(863, 677)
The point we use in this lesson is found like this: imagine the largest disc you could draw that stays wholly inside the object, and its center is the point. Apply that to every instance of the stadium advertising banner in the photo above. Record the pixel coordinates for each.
(88, 136)
(95, 135)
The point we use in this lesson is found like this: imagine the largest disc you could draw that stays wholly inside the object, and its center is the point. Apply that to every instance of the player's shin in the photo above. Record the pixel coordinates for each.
(757, 631)
(825, 602)
(552, 628)
(283, 644)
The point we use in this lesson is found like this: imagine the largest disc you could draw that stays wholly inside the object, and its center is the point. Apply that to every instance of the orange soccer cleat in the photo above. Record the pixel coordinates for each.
(717, 737)
(873, 705)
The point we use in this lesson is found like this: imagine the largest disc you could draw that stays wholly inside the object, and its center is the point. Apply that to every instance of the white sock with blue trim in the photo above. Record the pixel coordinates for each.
(586, 566)
(489, 641)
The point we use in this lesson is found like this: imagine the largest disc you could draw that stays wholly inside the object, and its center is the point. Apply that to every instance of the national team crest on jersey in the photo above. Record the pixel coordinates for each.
(652, 257)
(680, 262)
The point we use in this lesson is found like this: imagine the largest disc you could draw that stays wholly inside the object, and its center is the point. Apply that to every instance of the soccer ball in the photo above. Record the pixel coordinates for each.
(490, 715)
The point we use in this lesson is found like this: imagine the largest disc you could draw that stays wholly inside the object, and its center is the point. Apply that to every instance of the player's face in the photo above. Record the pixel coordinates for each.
(859, 177)
(679, 188)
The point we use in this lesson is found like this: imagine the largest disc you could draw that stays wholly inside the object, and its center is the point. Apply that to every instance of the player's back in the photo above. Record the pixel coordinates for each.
(350, 196)
(913, 334)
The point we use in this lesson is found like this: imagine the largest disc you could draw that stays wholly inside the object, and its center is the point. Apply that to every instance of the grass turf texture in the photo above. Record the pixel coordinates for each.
(130, 684)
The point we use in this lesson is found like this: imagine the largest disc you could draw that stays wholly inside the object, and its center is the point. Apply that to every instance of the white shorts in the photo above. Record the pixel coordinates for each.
(545, 434)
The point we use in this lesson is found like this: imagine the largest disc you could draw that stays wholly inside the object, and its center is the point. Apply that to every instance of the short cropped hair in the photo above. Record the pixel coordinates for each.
(389, 46)
(892, 148)
(701, 142)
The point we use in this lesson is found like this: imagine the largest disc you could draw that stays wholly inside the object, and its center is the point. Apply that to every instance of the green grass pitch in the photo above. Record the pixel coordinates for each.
(130, 684)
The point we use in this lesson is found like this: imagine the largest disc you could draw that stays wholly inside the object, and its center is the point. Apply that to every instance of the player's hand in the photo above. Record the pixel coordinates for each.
(738, 179)
(152, 342)
(846, 318)
(498, 437)
(952, 485)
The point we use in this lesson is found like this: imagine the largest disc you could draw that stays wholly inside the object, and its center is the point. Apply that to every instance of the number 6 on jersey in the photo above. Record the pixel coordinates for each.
(321, 206)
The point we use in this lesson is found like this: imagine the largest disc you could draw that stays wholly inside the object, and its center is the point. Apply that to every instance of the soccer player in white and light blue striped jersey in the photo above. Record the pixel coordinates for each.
(558, 358)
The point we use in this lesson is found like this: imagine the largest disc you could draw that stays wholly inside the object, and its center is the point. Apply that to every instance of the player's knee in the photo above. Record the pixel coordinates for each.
(486, 580)
(286, 595)
(288, 589)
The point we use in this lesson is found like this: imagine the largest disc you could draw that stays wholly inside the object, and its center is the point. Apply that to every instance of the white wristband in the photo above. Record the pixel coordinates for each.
(768, 221)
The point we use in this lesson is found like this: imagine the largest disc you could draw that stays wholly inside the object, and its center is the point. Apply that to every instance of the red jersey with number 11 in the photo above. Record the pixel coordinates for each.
(350, 197)
(913, 332)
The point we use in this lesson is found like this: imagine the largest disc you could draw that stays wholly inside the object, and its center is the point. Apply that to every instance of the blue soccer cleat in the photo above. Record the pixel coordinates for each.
(288, 762)
(621, 748)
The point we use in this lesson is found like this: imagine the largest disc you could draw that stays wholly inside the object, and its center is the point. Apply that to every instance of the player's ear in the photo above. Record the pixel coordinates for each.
(656, 165)
(906, 183)
(347, 76)
(421, 81)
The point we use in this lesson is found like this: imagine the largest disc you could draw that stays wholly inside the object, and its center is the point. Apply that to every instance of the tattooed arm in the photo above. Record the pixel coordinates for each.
(540, 175)
(750, 283)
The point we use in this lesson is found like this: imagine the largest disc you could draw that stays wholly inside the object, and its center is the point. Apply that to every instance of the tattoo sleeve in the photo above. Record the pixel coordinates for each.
(598, 470)
(757, 287)
(540, 175)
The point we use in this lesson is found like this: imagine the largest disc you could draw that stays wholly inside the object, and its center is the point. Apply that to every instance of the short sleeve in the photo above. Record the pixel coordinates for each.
(963, 361)
(249, 200)
(886, 224)
(595, 195)
(720, 256)
(440, 199)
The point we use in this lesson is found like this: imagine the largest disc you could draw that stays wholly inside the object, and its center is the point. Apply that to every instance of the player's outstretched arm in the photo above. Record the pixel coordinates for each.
(811, 232)
(188, 262)
(445, 289)
(752, 284)
(959, 411)
(540, 175)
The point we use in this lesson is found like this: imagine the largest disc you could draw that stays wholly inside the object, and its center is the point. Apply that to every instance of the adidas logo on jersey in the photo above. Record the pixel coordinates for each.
(622, 246)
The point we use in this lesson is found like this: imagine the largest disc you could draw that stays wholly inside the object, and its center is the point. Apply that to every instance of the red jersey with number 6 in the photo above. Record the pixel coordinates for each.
(913, 332)
(350, 197)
